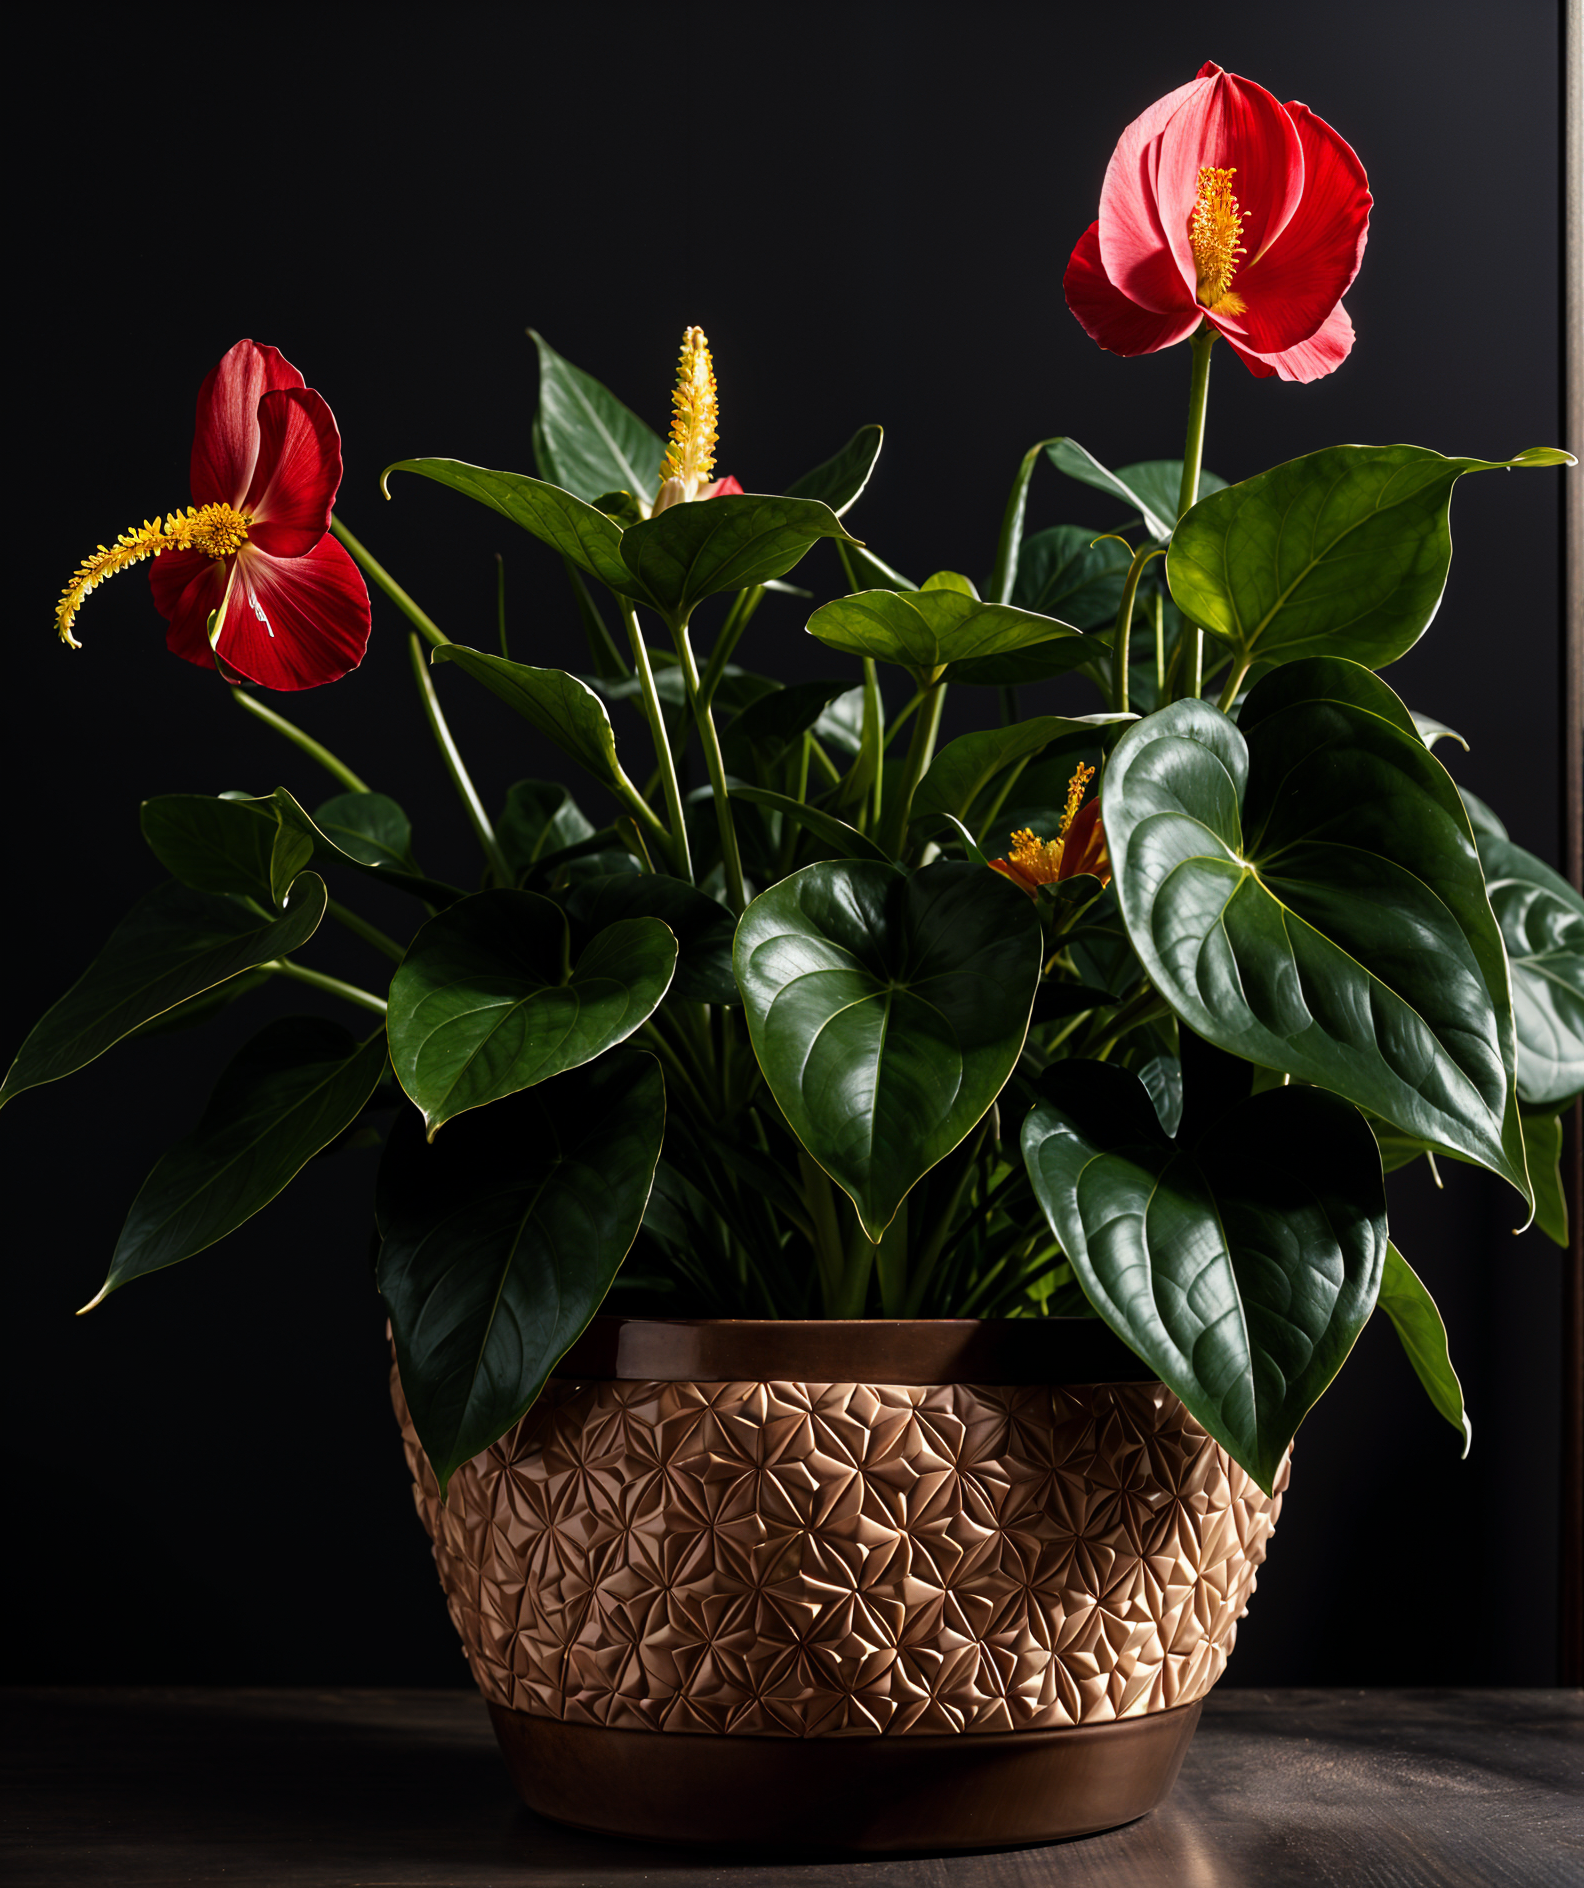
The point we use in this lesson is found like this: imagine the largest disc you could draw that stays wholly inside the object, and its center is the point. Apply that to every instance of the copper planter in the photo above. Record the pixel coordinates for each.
(873, 1585)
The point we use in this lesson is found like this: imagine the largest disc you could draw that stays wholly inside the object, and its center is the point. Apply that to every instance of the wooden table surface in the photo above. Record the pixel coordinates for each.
(382, 1789)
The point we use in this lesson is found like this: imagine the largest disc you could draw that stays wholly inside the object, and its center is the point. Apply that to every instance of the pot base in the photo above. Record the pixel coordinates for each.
(876, 1794)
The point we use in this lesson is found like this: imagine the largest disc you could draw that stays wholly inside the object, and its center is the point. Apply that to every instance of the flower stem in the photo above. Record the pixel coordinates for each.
(372, 568)
(1234, 683)
(472, 804)
(1188, 494)
(370, 933)
(332, 986)
(338, 769)
(731, 858)
(921, 749)
(681, 858)
(1121, 642)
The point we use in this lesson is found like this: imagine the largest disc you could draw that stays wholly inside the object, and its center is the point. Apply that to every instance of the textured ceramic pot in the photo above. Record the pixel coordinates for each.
(940, 1584)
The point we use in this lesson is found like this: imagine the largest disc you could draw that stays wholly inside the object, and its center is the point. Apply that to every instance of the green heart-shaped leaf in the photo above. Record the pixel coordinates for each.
(500, 1240)
(886, 1011)
(925, 630)
(963, 768)
(1341, 553)
(702, 928)
(1542, 923)
(540, 817)
(585, 440)
(1303, 890)
(297, 1085)
(1418, 1325)
(485, 1003)
(368, 832)
(838, 482)
(1241, 1269)
(692, 551)
(214, 845)
(170, 946)
(558, 705)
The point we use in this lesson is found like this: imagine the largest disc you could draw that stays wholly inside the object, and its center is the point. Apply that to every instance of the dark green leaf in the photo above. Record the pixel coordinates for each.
(1481, 818)
(296, 1086)
(1242, 1268)
(1542, 924)
(557, 704)
(1152, 489)
(485, 1002)
(540, 817)
(886, 1012)
(1418, 1324)
(692, 551)
(846, 841)
(585, 440)
(703, 929)
(1543, 1150)
(766, 727)
(1341, 553)
(500, 1240)
(963, 768)
(1074, 574)
(839, 482)
(1303, 889)
(214, 845)
(1036, 663)
(368, 832)
(170, 946)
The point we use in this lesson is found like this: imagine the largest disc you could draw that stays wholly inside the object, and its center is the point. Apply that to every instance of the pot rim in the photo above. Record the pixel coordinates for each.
(995, 1351)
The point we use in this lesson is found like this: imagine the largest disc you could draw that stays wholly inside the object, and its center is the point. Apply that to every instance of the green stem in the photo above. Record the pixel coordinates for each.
(820, 1200)
(731, 858)
(681, 858)
(1121, 642)
(472, 804)
(1193, 453)
(1160, 647)
(921, 749)
(332, 986)
(743, 606)
(383, 580)
(874, 735)
(338, 769)
(1234, 683)
(370, 933)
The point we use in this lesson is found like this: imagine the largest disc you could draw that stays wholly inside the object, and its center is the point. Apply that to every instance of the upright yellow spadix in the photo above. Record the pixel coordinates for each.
(690, 454)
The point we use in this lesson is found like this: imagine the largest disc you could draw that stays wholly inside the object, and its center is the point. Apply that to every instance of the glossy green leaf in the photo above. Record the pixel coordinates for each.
(1480, 816)
(1343, 552)
(702, 928)
(213, 845)
(500, 1240)
(846, 841)
(692, 551)
(1303, 889)
(924, 630)
(487, 1002)
(1543, 1150)
(761, 734)
(886, 1011)
(1431, 731)
(171, 945)
(1151, 489)
(963, 768)
(1240, 1268)
(368, 832)
(585, 440)
(287, 1095)
(558, 705)
(1542, 924)
(1074, 574)
(568, 525)
(539, 817)
(1418, 1324)
(1038, 662)
(839, 482)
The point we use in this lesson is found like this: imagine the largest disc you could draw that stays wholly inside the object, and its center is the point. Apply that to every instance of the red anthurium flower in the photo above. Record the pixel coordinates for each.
(695, 417)
(1079, 846)
(1222, 206)
(293, 610)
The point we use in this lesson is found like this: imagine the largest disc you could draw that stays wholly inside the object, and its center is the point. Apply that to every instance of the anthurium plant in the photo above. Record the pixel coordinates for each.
(784, 1005)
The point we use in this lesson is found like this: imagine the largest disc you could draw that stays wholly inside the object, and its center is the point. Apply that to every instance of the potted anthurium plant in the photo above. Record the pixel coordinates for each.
(1024, 1097)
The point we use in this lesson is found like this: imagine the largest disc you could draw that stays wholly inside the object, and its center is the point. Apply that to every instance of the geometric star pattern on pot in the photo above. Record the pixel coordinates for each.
(845, 1559)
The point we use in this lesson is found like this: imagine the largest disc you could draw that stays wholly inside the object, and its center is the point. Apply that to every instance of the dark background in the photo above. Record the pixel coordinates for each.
(869, 210)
